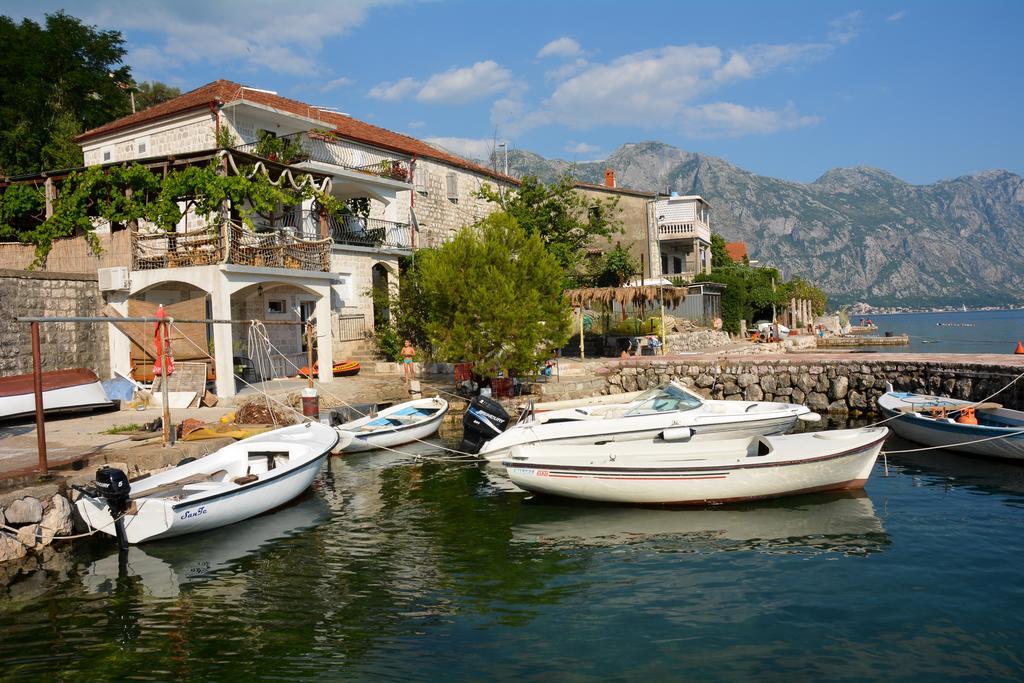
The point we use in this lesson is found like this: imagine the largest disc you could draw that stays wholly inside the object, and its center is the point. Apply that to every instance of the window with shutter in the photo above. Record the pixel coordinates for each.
(421, 180)
(453, 187)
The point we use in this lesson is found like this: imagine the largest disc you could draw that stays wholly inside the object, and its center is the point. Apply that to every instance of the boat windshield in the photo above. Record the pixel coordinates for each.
(662, 400)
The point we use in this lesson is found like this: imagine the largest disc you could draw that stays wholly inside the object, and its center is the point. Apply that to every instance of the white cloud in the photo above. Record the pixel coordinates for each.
(727, 120)
(655, 88)
(469, 148)
(340, 82)
(581, 148)
(392, 92)
(460, 85)
(845, 28)
(253, 34)
(560, 47)
(566, 70)
(896, 16)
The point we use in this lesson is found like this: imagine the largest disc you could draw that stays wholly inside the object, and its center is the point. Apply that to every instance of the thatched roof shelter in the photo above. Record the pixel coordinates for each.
(625, 296)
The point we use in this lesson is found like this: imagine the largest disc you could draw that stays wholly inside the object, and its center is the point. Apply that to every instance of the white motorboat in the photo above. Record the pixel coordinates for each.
(654, 471)
(241, 480)
(652, 413)
(63, 391)
(961, 426)
(394, 426)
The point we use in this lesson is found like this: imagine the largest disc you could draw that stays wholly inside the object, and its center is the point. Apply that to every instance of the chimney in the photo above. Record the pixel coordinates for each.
(609, 177)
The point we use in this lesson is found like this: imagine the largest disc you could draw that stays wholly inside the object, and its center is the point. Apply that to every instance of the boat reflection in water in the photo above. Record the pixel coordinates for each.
(164, 568)
(843, 522)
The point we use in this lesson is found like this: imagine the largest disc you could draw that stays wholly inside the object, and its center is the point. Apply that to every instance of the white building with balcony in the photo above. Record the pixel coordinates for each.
(416, 195)
(681, 236)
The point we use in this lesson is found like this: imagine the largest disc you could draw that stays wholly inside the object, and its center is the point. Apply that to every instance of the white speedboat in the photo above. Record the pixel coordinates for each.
(709, 472)
(962, 426)
(241, 480)
(394, 426)
(63, 391)
(672, 411)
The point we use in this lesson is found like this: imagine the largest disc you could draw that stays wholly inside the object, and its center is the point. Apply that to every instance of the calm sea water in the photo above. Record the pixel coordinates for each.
(394, 569)
(982, 331)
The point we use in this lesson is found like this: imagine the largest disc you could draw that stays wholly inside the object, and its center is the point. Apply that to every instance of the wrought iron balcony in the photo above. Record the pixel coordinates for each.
(320, 147)
(371, 232)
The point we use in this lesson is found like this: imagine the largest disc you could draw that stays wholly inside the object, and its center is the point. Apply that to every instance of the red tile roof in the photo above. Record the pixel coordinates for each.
(737, 251)
(222, 92)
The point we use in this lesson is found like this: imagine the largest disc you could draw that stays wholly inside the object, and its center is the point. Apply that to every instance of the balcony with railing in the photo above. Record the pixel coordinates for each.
(270, 247)
(370, 232)
(320, 147)
(684, 231)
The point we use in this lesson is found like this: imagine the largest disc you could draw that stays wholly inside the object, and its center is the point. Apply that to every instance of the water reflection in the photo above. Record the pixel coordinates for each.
(162, 569)
(841, 522)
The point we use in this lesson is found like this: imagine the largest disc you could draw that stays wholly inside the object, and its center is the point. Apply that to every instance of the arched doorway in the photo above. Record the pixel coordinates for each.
(381, 295)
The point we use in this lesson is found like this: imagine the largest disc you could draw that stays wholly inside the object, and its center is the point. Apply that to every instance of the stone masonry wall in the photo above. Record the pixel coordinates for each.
(836, 386)
(63, 345)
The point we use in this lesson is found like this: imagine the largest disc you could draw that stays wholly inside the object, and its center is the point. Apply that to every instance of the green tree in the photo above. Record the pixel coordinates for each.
(567, 221)
(719, 256)
(152, 93)
(493, 296)
(56, 81)
(613, 269)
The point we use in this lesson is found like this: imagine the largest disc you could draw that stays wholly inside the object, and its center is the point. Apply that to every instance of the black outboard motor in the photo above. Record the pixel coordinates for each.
(484, 420)
(112, 485)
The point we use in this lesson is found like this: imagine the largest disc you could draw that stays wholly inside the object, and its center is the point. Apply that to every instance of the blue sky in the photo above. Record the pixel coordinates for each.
(925, 90)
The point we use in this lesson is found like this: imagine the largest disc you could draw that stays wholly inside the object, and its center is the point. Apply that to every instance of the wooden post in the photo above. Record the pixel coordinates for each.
(661, 295)
(50, 195)
(582, 355)
(309, 351)
(164, 389)
(37, 386)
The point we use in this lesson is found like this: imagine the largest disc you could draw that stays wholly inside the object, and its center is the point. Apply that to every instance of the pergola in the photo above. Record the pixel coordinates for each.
(632, 296)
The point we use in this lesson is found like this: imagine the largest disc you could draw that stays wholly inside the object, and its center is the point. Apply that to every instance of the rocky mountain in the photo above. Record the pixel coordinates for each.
(862, 234)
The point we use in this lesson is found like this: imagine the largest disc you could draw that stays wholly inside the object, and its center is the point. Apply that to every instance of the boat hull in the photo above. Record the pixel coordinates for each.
(611, 474)
(398, 435)
(63, 391)
(983, 440)
(158, 517)
(631, 429)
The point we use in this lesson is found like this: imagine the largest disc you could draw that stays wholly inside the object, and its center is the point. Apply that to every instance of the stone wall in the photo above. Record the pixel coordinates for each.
(837, 386)
(63, 345)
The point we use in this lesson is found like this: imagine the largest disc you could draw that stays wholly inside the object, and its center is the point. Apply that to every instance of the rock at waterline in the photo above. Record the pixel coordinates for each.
(24, 511)
(57, 520)
(11, 548)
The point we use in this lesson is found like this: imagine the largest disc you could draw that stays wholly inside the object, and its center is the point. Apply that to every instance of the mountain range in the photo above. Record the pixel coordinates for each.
(861, 234)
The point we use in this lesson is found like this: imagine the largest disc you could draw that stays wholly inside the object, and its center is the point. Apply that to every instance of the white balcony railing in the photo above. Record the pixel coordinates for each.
(682, 231)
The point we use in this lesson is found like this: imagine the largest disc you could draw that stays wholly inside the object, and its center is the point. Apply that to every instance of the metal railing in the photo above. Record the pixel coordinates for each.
(350, 327)
(299, 147)
(370, 232)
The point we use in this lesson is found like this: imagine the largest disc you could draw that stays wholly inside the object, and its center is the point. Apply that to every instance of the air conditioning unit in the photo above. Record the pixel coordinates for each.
(113, 279)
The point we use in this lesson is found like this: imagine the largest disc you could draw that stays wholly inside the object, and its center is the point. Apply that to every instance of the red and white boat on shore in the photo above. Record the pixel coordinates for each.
(63, 390)
(659, 472)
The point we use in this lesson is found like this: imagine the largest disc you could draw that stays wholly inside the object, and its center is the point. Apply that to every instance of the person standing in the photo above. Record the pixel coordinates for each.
(407, 355)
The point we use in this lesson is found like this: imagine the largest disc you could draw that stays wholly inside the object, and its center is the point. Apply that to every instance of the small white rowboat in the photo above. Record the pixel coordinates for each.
(239, 481)
(394, 426)
(934, 421)
(700, 473)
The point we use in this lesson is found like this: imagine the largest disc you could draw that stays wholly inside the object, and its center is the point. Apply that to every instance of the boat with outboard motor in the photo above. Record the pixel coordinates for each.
(241, 480)
(986, 429)
(671, 411)
(400, 424)
(655, 471)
